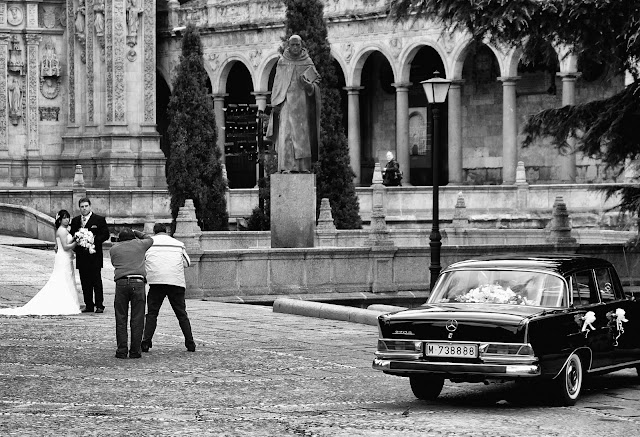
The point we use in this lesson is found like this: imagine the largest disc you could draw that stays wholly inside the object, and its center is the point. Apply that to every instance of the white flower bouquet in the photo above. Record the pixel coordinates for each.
(493, 293)
(84, 237)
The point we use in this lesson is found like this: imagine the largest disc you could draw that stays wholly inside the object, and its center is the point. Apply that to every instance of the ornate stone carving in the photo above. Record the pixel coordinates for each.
(50, 87)
(49, 113)
(15, 55)
(33, 43)
(15, 92)
(70, 14)
(3, 13)
(348, 52)
(32, 15)
(108, 57)
(4, 54)
(98, 23)
(48, 16)
(149, 62)
(90, 39)
(15, 15)
(255, 56)
(133, 23)
(80, 25)
(50, 65)
(395, 44)
(118, 63)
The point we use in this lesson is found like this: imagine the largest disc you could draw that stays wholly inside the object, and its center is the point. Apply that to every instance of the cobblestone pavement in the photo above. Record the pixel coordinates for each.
(255, 372)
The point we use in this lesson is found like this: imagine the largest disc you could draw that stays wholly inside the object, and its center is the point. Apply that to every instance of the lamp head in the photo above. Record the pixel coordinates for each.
(436, 88)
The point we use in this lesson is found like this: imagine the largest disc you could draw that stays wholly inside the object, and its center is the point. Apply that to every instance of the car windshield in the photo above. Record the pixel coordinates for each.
(512, 287)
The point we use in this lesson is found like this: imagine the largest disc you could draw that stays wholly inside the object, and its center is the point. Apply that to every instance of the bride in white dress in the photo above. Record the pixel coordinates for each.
(59, 296)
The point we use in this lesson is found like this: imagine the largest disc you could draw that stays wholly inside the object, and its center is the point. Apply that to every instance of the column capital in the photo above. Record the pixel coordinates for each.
(353, 89)
(33, 38)
(570, 75)
(509, 79)
(457, 82)
(253, 93)
(401, 86)
(219, 96)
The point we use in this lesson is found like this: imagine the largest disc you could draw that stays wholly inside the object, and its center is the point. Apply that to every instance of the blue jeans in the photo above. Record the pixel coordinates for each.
(129, 290)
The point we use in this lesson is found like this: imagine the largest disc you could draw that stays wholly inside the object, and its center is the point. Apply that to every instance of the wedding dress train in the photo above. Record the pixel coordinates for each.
(59, 296)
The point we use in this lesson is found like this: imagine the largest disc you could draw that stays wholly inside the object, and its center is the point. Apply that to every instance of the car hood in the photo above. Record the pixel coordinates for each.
(474, 322)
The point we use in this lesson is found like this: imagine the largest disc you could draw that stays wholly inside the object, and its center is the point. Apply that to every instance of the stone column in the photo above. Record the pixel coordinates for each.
(509, 130)
(261, 99)
(567, 162)
(218, 108)
(174, 6)
(34, 166)
(402, 129)
(455, 131)
(353, 133)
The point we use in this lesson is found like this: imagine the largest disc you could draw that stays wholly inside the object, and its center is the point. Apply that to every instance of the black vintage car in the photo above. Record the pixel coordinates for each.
(555, 318)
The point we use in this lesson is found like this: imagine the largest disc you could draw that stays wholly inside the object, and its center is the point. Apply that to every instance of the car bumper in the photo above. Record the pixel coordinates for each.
(510, 370)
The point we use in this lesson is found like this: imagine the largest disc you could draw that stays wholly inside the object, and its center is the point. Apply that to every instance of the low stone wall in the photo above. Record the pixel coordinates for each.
(26, 222)
(375, 267)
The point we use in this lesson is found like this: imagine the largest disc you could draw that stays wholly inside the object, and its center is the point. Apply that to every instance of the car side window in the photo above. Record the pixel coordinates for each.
(605, 285)
(583, 288)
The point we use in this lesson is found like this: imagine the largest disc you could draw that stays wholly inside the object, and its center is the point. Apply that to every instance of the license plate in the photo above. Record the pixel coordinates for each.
(455, 350)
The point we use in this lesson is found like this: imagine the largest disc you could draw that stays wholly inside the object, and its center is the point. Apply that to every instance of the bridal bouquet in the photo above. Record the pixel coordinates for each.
(84, 237)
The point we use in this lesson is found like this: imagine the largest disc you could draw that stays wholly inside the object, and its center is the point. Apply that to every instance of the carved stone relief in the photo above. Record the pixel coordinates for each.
(70, 47)
(15, 15)
(48, 16)
(15, 93)
(4, 54)
(50, 64)
(149, 42)
(119, 45)
(98, 23)
(89, 69)
(33, 43)
(49, 113)
(348, 52)
(16, 63)
(50, 87)
(134, 10)
(3, 13)
(256, 57)
(80, 25)
(395, 44)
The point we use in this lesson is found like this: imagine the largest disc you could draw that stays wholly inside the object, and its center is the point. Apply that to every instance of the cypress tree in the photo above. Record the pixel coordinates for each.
(194, 170)
(334, 176)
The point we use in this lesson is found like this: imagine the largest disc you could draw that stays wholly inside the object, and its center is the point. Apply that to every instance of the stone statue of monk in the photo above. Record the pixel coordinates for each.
(294, 124)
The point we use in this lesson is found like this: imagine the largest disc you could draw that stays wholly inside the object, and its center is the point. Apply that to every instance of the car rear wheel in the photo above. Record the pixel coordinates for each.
(568, 385)
(426, 387)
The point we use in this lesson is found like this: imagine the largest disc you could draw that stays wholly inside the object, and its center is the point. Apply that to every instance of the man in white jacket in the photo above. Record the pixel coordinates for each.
(165, 262)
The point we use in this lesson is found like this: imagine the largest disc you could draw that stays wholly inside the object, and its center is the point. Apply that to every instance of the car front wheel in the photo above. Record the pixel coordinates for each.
(569, 383)
(426, 387)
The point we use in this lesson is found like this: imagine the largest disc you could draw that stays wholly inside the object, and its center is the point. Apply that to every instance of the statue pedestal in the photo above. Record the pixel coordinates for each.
(293, 210)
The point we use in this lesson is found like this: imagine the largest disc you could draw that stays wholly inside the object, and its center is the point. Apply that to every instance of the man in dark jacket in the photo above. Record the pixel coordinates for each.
(89, 264)
(127, 257)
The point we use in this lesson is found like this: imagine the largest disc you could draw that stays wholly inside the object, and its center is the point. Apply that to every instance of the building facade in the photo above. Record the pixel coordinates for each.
(88, 82)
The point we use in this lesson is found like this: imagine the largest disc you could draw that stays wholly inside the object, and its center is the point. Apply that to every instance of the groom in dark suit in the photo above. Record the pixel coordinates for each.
(88, 264)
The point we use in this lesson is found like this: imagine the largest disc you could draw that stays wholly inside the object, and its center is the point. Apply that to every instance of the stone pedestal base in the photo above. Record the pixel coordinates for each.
(293, 210)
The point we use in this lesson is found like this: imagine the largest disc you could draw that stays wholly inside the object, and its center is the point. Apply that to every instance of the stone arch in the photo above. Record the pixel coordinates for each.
(219, 85)
(264, 71)
(406, 57)
(462, 51)
(344, 70)
(354, 77)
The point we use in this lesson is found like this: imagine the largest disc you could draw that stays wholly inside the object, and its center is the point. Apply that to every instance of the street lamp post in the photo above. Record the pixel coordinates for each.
(436, 90)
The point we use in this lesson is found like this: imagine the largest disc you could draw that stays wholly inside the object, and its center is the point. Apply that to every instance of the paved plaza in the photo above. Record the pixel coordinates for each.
(255, 372)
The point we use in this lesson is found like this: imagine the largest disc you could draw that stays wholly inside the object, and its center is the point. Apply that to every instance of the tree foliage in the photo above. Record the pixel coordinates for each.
(603, 31)
(194, 170)
(334, 176)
